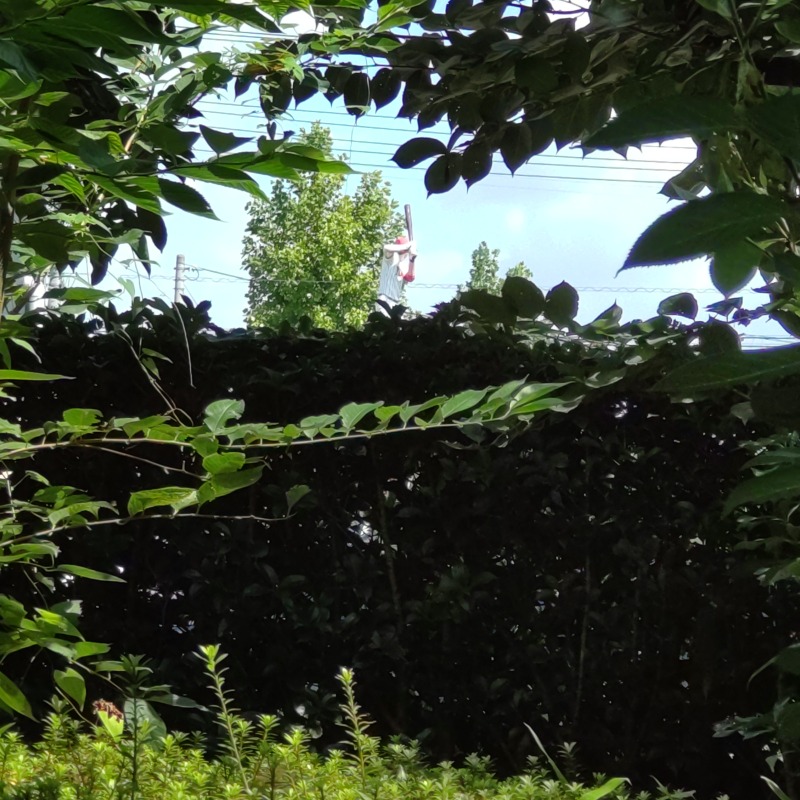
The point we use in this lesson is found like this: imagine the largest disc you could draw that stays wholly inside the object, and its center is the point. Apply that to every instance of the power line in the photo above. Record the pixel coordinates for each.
(561, 161)
(415, 285)
(313, 115)
(618, 160)
(384, 166)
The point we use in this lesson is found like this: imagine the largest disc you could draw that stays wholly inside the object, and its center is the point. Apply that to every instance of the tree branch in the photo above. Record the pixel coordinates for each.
(95, 523)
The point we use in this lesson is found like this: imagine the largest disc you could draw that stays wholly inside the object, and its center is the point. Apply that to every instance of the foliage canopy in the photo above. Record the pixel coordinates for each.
(620, 508)
(514, 79)
(314, 251)
(484, 272)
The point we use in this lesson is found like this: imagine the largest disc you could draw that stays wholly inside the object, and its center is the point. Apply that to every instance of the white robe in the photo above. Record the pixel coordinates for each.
(396, 264)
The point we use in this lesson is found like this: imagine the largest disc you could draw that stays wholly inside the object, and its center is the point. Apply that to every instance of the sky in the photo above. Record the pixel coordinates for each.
(567, 217)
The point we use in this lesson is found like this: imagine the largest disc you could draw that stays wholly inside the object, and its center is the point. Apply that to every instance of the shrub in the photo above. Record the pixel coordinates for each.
(101, 762)
(579, 577)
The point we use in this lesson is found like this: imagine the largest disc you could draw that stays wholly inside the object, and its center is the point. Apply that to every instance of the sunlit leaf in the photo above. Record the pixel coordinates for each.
(704, 226)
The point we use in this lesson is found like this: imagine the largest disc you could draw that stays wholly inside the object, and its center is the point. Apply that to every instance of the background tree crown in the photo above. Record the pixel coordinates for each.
(314, 251)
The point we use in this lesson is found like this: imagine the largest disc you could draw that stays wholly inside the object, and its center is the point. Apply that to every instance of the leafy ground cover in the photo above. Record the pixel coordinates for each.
(127, 754)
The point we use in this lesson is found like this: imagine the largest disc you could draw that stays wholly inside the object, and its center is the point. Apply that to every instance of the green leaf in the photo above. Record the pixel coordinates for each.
(529, 396)
(222, 142)
(111, 21)
(353, 413)
(228, 482)
(683, 304)
(705, 226)
(217, 463)
(140, 191)
(536, 73)
(611, 785)
(23, 375)
(185, 198)
(491, 308)
(82, 417)
(384, 87)
(177, 497)
(13, 88)
(356, 94)
(409, 411)
(221, 412)
(476, 163)
(81, 294)
(91, 574)
(717, 339)
(113, 726)
(775, 789)
(462, 402)
(13, 56)
(777, 121)
(781, 483)
(71, 682)
(516, 146)
(734, 266)
(144, 425)
(666, 118)
(85, 649)
(295, 495)
(790, 28)
(731, 369)
(221, 175)
(137, 712)
(174, 700)
(788, 660)
(418, 150)
(721, 7)
(10, 428)
(523, 297)
(561, 304)
(13, 698)
(443, 174)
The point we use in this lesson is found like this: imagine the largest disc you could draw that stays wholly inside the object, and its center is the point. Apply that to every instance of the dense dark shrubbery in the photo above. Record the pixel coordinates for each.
(578, 577)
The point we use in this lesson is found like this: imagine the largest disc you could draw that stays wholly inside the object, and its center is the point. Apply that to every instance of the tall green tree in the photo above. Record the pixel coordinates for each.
(485, 270)
(314, 251)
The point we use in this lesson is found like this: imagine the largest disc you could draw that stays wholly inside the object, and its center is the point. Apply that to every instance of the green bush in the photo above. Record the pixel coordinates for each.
(579, 576)
(118, 756)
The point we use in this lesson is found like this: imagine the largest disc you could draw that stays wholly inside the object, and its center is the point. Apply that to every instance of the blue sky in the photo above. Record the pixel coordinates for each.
(566, 217)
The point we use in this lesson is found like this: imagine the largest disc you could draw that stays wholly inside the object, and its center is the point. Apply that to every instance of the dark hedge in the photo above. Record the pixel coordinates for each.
(577, 577)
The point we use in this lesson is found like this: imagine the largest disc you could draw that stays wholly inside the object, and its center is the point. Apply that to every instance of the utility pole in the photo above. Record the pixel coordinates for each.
(180, 271)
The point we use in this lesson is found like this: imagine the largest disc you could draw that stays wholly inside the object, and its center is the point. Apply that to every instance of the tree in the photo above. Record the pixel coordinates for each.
(519, 271)
(485, 269)
(485, 265)
(313, 251)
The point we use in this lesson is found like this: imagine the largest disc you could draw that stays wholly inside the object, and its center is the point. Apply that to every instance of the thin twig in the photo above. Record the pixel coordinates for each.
(134, 457)
(94, 523)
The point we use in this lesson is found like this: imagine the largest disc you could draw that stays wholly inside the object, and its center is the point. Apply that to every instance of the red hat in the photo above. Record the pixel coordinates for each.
(401, 240)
